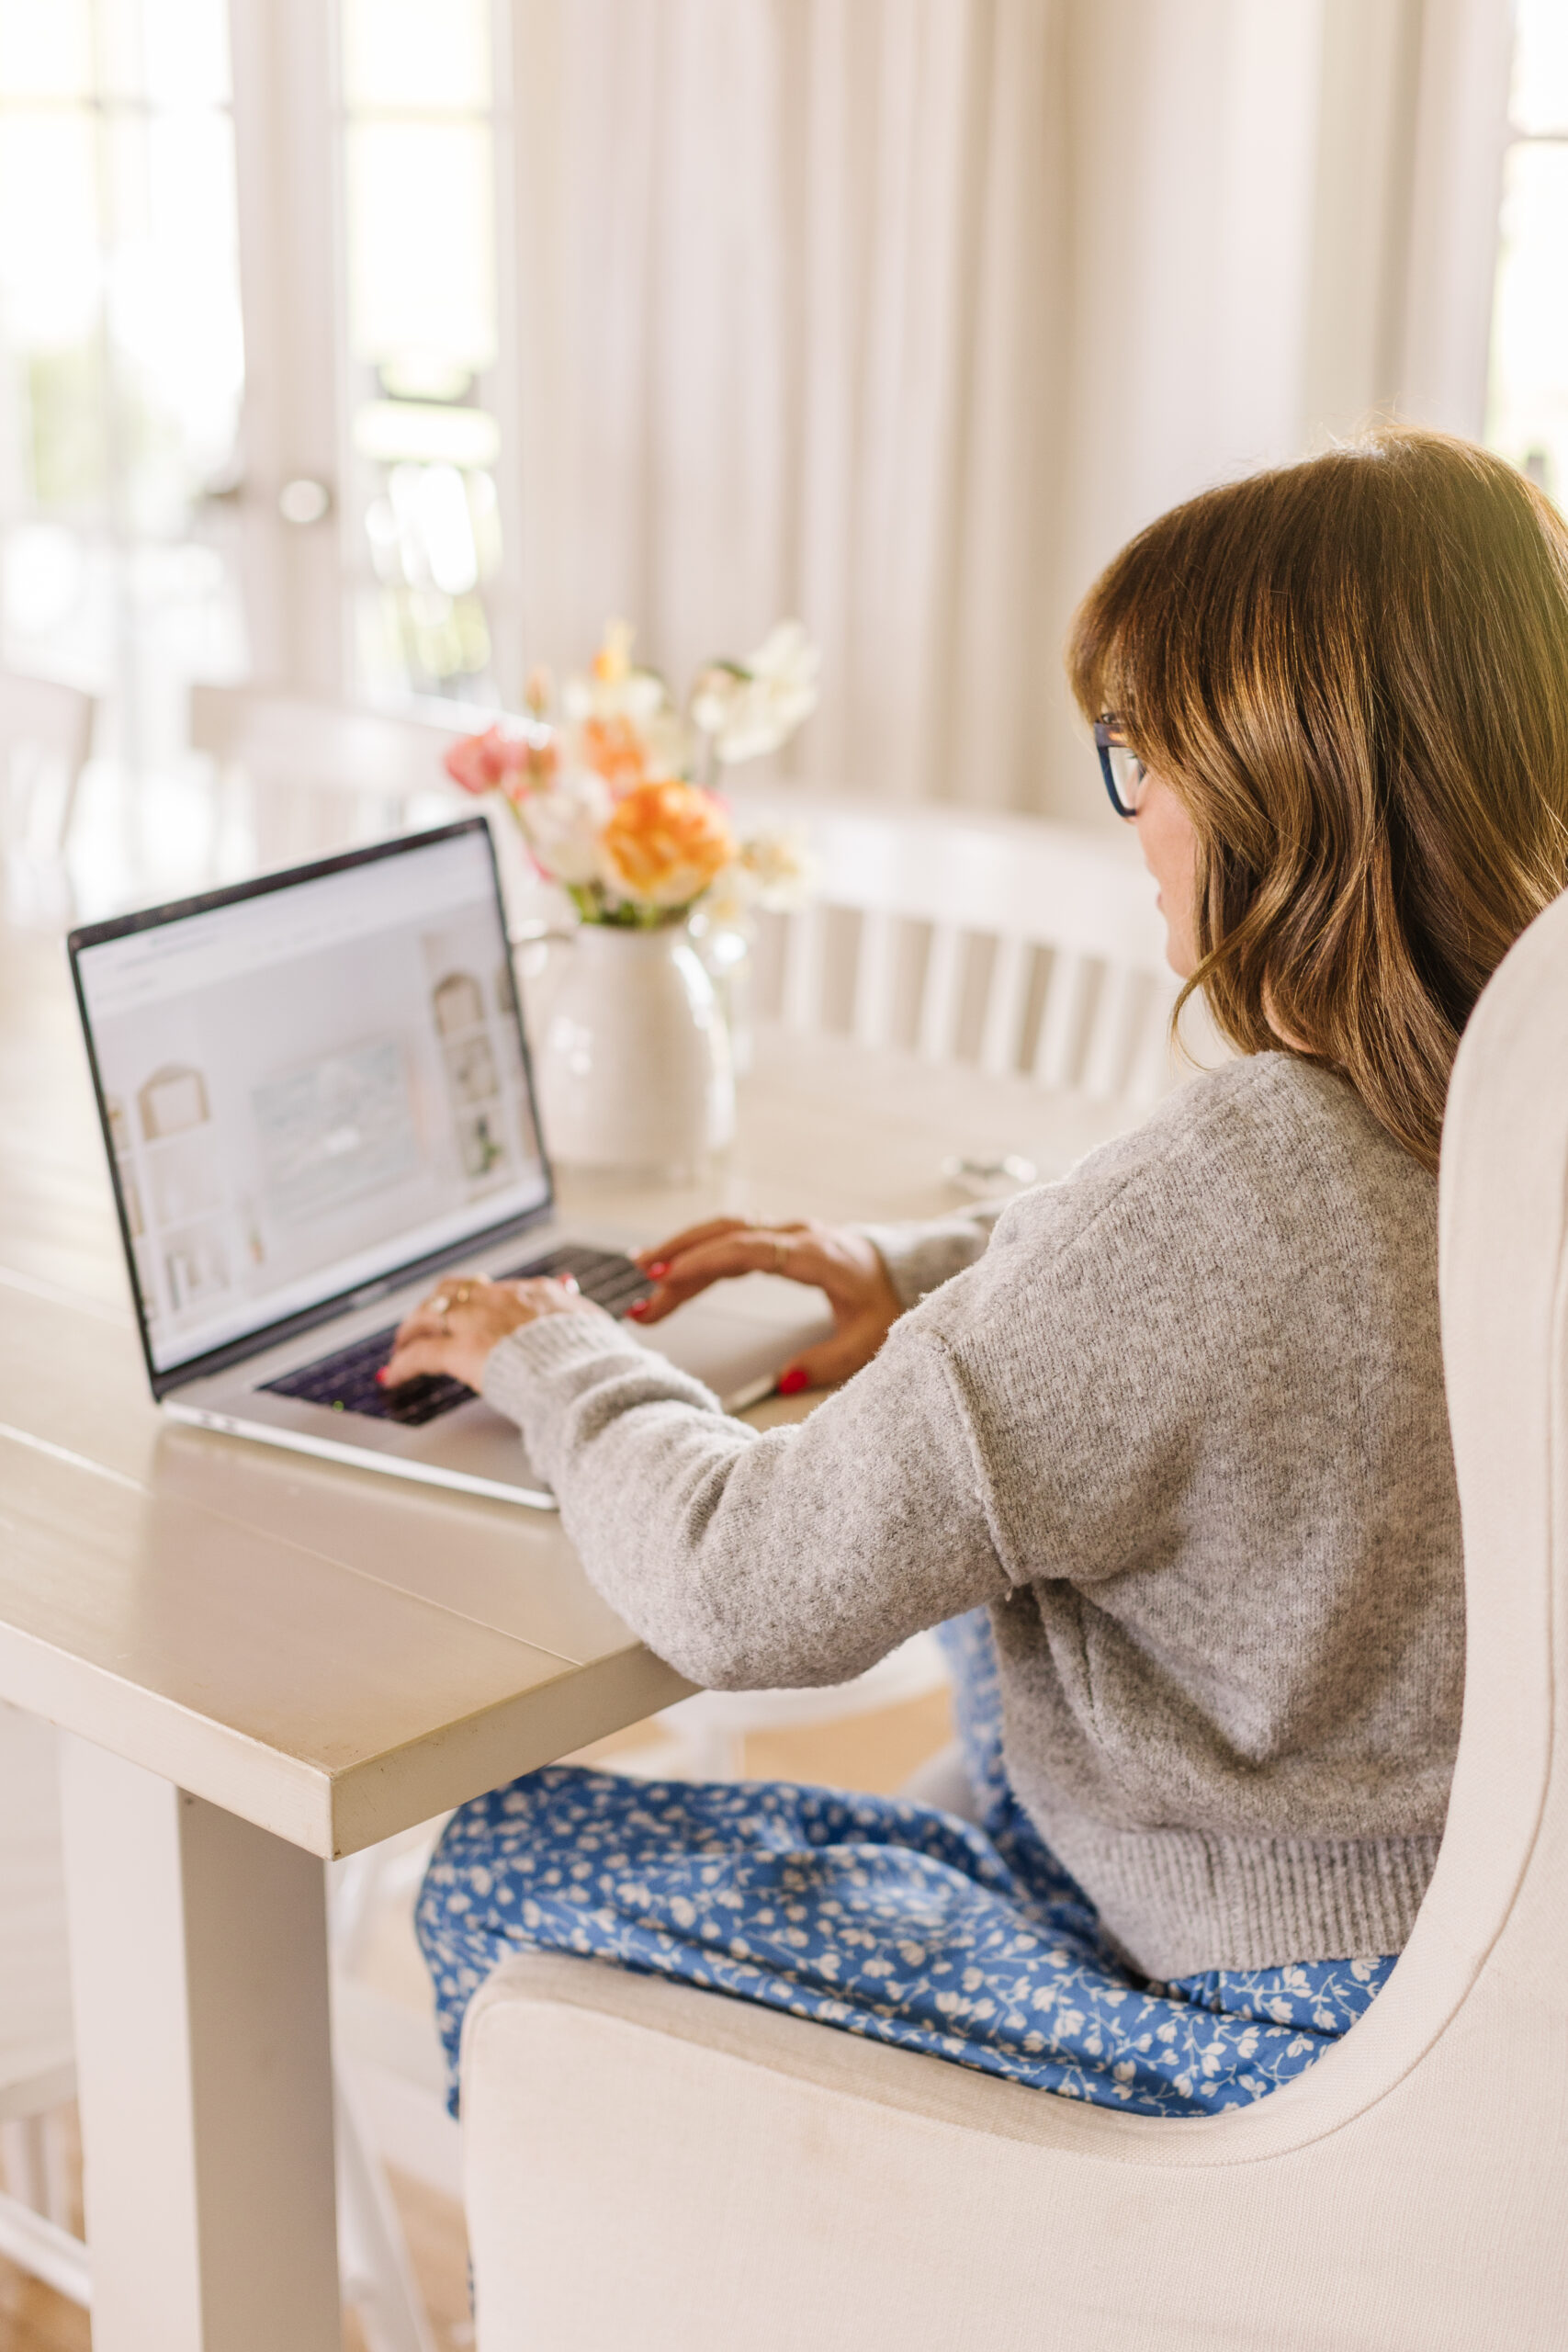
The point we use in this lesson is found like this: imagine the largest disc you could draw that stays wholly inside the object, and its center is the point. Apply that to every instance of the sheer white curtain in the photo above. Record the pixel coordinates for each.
(901, 314)
(789, 269)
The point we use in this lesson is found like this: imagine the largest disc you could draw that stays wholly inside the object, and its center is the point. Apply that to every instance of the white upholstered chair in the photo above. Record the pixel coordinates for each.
(654, 2166)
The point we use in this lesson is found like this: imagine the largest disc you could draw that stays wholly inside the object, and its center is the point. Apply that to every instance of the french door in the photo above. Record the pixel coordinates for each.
(254, 358)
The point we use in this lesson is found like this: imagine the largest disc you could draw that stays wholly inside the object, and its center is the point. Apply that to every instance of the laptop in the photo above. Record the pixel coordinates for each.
(316, 1097)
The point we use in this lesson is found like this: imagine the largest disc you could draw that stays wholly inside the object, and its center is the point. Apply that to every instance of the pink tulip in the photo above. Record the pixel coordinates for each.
(481, 761)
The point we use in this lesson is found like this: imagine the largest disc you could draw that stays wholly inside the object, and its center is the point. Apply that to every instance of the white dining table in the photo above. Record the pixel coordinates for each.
(257, 1662)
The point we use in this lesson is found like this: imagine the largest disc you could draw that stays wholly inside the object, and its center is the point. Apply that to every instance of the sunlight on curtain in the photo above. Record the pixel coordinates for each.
(901, 315)
(419, 89)
(787, 281)
(1528, 406)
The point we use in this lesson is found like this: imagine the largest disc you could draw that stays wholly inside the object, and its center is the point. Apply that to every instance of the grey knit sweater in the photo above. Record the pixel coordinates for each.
(1179, 1420)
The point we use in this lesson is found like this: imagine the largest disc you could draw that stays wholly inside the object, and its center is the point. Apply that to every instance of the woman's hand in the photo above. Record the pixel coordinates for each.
(457, 1326)
(865, 1305)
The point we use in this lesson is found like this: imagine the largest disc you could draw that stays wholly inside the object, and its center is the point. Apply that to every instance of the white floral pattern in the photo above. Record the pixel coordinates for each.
(875, 1916)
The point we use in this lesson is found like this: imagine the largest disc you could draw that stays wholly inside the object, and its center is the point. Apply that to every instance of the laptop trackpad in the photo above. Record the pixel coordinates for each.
(738, 1336)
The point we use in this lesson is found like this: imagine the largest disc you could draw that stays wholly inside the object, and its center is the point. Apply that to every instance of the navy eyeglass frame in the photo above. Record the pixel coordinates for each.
(1105, 742)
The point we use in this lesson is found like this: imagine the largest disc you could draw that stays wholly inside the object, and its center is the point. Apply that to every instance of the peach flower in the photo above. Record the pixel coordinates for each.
(613, 749)
(665, 842)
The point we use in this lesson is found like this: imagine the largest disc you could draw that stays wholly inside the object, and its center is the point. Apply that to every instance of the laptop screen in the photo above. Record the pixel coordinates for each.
(310, 1084)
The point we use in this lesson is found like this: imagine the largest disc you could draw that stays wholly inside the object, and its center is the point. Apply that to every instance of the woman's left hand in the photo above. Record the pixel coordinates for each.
(455, 1328)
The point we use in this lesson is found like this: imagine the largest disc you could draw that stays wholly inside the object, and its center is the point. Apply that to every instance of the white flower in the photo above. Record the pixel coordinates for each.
(613, 688)
(640, 695)
(668, 740)
(727, 901)
(781, 867)
(562, 824)
(752, 707)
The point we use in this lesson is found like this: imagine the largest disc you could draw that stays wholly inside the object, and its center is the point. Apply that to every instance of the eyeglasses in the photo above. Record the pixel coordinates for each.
(1119, 765)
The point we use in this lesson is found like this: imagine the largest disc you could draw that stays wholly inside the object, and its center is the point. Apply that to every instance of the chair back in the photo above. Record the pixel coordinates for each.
(1500, 1894)
(46, 739)
(302, 775)
(1030, 947)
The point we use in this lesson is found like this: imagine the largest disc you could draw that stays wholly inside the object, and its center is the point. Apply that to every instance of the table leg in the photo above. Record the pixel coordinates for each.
(199, 1959)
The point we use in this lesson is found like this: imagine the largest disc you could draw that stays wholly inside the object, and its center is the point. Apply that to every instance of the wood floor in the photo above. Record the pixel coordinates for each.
(875, 1751)
(34, 2319)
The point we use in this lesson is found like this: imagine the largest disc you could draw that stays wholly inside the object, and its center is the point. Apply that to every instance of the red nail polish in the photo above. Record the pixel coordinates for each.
(381, 1375)
(659, 1269)
(636, 1310)
(791, 1383)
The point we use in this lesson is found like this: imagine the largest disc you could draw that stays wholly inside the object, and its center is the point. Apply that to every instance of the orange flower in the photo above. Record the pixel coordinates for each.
(664, 842)
(613, 749)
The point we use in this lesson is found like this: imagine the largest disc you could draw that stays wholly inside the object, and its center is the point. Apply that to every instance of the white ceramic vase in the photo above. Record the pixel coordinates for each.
(633, 1066)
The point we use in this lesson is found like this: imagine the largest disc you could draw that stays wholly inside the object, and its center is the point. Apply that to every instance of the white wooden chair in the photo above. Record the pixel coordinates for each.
(647, 2163)
(46, 737)
(300, 775)
(1030, 947)
(384, 2029)
(38, 2073)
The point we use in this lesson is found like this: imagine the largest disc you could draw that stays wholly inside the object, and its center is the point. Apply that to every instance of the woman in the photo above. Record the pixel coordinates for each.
(1176, 1425)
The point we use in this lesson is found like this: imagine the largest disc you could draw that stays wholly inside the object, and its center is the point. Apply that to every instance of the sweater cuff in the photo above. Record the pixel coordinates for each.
(518, 1366)
(921, 1257)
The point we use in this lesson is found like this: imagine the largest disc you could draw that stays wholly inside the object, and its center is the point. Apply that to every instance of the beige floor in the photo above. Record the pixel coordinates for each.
(876, 1752)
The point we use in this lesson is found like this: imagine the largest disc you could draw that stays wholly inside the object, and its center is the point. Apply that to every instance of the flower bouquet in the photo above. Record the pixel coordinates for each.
(607, 794)
(615, 796)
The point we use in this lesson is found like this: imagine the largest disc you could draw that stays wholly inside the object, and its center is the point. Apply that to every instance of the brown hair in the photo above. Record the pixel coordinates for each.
(1354, 674)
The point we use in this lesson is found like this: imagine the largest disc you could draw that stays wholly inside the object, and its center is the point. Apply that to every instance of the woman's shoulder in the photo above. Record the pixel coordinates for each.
(1260, 1104)
(1267, 1162)
(1270, 1123)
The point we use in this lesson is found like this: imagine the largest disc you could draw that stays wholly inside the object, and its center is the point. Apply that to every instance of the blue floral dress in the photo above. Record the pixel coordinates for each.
(872, 1915)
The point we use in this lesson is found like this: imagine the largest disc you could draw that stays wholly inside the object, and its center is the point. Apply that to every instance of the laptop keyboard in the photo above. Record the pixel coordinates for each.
(346, 1381)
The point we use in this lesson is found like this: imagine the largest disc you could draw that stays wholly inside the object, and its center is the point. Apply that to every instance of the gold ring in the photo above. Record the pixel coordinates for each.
(440, 1302)
(778, 1255)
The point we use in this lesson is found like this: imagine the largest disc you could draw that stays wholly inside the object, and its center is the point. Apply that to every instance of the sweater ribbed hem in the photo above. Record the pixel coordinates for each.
(517, 1365)
(1179, 1902)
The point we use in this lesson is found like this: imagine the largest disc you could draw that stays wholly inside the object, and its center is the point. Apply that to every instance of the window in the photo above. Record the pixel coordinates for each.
(1527, 401)
(121, 360)
(420, 129)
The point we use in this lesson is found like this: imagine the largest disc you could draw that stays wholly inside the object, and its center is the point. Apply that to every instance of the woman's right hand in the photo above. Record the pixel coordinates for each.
(829, 1257)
